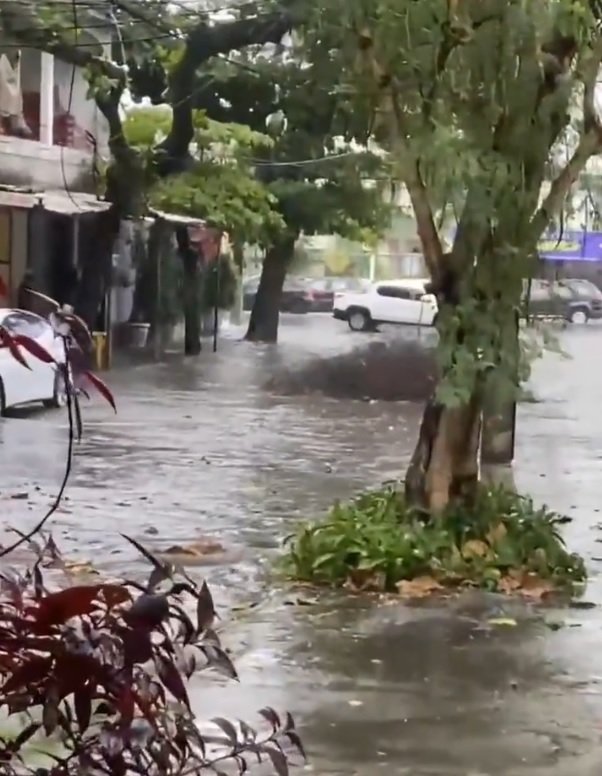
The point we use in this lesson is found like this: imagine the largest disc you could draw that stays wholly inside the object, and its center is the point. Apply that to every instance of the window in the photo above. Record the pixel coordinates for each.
(584, 288)
(394, 291)
(540, 290)
(560, 291)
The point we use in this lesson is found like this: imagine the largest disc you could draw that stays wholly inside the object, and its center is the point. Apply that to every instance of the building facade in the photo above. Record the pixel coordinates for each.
(52, 141)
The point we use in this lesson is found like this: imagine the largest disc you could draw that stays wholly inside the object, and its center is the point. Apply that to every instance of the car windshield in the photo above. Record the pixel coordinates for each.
(321, 285)
(584, 288)
(296, 284)
(25, 324)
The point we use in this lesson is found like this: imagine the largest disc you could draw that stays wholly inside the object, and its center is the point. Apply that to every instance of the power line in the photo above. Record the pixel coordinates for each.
(306, 162)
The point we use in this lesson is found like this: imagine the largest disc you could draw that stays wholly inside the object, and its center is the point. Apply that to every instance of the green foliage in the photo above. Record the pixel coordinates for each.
(220, 188)
(224, 196)
(455, 93)
(323, 183)
(377, 541)
(145, 127)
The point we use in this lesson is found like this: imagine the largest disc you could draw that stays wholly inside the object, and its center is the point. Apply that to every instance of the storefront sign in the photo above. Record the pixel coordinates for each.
(572, 246)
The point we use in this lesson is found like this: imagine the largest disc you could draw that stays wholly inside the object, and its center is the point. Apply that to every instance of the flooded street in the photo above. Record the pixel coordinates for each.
(200, 449)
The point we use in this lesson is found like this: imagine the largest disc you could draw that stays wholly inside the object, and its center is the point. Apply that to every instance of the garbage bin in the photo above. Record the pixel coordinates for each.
(101, 354)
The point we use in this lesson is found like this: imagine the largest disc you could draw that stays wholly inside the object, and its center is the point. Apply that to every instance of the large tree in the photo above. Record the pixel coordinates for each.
(472, 97)
(321, 183)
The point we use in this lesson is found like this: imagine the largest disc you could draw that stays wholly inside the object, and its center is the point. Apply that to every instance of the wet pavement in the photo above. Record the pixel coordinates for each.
(199, 449)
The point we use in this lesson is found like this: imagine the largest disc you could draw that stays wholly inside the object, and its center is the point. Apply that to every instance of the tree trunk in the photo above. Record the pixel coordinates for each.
(445, 463)
(192, 294)
(239, 259)
(96, 243)
(500, 397)
(265, 315)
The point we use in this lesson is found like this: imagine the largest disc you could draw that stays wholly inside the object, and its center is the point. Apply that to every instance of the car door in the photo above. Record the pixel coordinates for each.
(396, 305)
(37, 382)
(538, 298)
(563, 297)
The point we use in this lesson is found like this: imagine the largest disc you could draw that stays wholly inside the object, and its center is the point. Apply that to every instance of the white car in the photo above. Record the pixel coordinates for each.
(390, 301)
(43, 382)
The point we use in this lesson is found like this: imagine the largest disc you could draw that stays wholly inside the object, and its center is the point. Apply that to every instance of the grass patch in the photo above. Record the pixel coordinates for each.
(376, 542)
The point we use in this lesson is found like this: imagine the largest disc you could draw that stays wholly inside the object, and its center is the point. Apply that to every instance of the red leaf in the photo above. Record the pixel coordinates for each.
(279, 761)
(125, 705)
(83, 706)
(172, 679)
(272, 717)
(205, 609)
(73, 671)
(228, 728)
(33, 347)
(7, 340)
(293, 737)
(115, 595)
(57, 608)
(146, 709)
(102, 388)
(137, 646)
(50, 714)
(27, 673)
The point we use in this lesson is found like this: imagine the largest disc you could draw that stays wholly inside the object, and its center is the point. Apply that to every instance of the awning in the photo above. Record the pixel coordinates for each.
(172, 218)
(63, 202)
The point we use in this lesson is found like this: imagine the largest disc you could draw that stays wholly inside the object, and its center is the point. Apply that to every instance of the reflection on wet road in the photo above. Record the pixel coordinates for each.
(199, 449)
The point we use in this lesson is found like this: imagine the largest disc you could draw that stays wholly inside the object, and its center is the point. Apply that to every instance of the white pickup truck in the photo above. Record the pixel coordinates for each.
(390, 301)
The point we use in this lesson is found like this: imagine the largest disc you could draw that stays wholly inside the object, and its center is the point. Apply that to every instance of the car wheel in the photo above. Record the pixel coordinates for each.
(59, 396)
(580, 315)
(358, 320)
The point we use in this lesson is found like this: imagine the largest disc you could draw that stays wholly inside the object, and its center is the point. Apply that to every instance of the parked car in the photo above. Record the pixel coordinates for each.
(42, 382)
(324, 290)
(391, 301)
(572, 299)
(297, 295)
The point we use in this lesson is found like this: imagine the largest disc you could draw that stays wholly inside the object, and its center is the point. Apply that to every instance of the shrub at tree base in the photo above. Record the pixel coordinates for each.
(376, 542)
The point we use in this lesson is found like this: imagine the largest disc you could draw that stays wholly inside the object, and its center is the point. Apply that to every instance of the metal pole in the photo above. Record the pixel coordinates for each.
(216, 308)
(159, 255)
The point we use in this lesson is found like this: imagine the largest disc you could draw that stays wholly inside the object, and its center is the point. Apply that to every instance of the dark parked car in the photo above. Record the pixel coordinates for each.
(297, 295)
(324, 290)
(574, 300)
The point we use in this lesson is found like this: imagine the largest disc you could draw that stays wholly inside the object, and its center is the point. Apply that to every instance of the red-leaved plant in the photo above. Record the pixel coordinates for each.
(103, 669)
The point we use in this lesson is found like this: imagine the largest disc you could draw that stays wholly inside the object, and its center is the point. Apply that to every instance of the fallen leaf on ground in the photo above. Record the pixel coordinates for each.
(366, 581)
(496, 534)
(508, 584)
(507, 622)
(77, 568)
(554, 626)
(475, 548)
(201, 547)
(535, 588)
(421, 587)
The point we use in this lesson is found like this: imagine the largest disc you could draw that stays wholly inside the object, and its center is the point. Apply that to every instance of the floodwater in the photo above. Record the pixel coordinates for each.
(200, 449)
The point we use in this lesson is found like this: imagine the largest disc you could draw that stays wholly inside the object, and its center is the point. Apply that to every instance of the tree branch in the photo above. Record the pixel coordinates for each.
(20, 21)
(589, 75)
(203, 43)
(588, 145)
